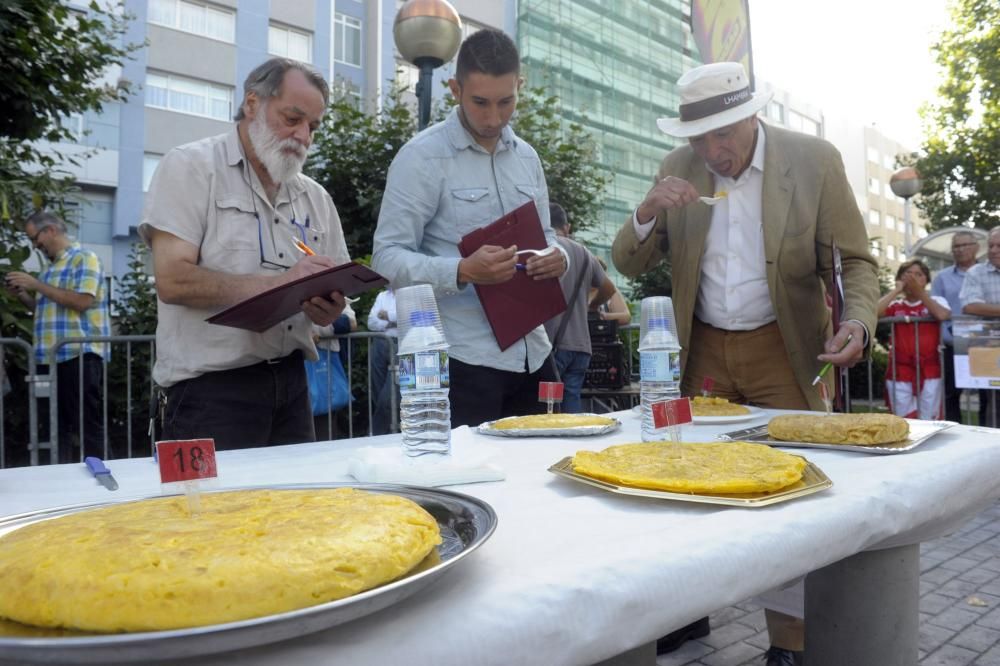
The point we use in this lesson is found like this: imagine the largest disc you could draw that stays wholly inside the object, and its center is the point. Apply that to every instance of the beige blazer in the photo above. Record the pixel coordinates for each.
(807, 205)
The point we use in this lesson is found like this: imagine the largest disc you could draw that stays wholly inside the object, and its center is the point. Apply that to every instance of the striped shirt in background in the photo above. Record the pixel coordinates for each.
(76, 270)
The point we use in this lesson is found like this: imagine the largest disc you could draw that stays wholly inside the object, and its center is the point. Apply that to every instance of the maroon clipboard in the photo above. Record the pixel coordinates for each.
(261, 312)
(837, 307)
(518, 306)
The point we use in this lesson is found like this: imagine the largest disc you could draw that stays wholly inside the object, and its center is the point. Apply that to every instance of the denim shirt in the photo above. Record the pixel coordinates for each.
(441, 186)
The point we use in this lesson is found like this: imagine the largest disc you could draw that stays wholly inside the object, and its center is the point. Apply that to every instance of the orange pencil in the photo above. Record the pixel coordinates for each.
(303, 247)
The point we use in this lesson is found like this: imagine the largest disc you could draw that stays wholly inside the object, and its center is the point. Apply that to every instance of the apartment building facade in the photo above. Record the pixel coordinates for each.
(189, 77)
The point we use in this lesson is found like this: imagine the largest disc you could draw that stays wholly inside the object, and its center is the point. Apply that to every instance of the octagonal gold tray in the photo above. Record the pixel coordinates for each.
(813, 481)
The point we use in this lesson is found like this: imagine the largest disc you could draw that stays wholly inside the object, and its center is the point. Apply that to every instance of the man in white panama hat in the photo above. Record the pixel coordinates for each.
(748, 273)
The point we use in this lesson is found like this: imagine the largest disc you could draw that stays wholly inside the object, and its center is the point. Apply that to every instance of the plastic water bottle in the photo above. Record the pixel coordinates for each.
(659, 361)
(424, 407)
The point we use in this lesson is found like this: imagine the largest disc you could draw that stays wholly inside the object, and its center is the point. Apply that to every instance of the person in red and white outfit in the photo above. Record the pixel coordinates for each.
(915, 345)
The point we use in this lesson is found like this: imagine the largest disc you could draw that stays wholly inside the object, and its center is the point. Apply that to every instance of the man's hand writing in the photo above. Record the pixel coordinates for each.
(669, 193)
(307, 265)
(490, 264)
(852, 353)
(544, 267)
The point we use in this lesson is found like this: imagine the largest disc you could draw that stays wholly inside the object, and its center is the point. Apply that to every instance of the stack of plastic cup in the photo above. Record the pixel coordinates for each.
(657, 327)
(659, 362)
(424, 406)
(418, 319)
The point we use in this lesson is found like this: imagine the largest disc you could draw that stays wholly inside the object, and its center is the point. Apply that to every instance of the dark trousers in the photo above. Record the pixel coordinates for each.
(75, 396)
(258, 405)
(952, 394)
(479, 394)
(382, 387)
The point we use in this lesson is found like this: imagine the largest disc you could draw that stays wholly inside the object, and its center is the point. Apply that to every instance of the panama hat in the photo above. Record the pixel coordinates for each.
(713, 96)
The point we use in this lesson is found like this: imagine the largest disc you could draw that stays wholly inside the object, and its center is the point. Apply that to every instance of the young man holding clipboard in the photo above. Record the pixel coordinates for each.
(449, 181)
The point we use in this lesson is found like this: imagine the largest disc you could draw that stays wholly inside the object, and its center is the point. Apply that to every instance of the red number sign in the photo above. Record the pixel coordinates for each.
(671, 412)
(186, 459)
(550, 391)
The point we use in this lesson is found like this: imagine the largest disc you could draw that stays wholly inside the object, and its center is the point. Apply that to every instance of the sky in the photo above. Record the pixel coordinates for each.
(868, 60)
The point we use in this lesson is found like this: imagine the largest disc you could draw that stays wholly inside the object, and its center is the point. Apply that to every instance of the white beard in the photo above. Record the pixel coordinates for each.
(273, 153)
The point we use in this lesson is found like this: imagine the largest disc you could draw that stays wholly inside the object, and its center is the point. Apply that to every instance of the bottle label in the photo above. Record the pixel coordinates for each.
(423, 371)
(660, 366)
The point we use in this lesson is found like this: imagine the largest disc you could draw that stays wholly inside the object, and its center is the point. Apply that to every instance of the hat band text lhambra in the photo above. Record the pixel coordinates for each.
(713, 105)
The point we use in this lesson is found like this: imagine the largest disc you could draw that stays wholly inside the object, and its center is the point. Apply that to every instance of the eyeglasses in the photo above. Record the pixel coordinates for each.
(34, 239)
(264, 261)
(959, 246)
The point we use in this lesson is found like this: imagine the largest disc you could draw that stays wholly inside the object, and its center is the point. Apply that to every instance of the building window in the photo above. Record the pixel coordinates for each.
(289, 43)
(470, 28)
(347, 38)
(874, 186)
(194, 17)
(874, 218)
(890, 222)
(889, 162)
(199, 98)
(149, 164)
(873, 155)
(890, 252)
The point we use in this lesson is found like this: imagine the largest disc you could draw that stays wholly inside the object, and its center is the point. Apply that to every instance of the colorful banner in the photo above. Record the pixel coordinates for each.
(721, 30)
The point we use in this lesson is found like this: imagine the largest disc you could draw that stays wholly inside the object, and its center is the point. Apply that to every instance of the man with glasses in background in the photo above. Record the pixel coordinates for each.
(948, 284)
(69, 301)
(224, 217)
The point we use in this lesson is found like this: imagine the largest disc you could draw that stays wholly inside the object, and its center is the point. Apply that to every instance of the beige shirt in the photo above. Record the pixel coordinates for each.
(203, 193)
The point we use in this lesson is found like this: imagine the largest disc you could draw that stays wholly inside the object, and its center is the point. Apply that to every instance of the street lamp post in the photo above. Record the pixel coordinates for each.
(906, 183)
(428, 34)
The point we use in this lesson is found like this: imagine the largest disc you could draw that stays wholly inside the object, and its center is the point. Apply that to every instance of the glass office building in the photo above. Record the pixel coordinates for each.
(613, 64)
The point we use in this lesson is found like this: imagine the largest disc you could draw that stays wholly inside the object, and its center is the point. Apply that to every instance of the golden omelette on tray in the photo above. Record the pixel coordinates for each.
(551, 421)
(150, 566)
(860, 429)
(729, 468)
(708, 406)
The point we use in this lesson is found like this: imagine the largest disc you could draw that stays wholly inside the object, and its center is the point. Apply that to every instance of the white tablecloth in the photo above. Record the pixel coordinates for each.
(574, 574)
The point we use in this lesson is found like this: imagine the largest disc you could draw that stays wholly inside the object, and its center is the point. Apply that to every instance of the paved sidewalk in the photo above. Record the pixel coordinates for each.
(959, 608)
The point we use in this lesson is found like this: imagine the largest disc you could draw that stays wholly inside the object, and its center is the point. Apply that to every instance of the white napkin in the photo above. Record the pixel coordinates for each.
(467, 463)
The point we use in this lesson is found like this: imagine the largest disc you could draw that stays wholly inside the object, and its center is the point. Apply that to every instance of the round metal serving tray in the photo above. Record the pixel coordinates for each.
(466, 522)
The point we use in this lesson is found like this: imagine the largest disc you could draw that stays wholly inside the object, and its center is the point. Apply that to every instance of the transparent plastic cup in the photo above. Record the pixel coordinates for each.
(657, 326)
(418, 319)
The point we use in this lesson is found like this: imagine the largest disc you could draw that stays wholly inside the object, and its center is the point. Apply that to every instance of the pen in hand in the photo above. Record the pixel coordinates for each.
(826, 368)
(302, 247)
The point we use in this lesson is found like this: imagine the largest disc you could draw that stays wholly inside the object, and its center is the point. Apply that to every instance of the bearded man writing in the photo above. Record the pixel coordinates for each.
(222, 218)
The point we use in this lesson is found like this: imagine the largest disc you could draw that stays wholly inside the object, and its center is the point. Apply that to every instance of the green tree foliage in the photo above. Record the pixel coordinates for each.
(131, 368)
(959, 164)
(568, 154)
(353, 151)
(652, 283)
(351, 156)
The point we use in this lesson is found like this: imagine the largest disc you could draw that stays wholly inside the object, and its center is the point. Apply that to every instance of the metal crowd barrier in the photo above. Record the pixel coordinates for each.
(46, 387)
(33, 391)
(41, 387)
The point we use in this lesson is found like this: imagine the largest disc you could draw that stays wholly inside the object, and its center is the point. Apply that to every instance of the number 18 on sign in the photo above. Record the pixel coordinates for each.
(187, 461)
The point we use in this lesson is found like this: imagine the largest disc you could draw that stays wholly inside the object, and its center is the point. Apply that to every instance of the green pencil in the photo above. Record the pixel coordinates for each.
(826, 368)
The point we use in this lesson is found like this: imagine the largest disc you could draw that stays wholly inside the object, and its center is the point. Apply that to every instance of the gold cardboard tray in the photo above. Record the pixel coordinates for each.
(920, 432)
(813, 481)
